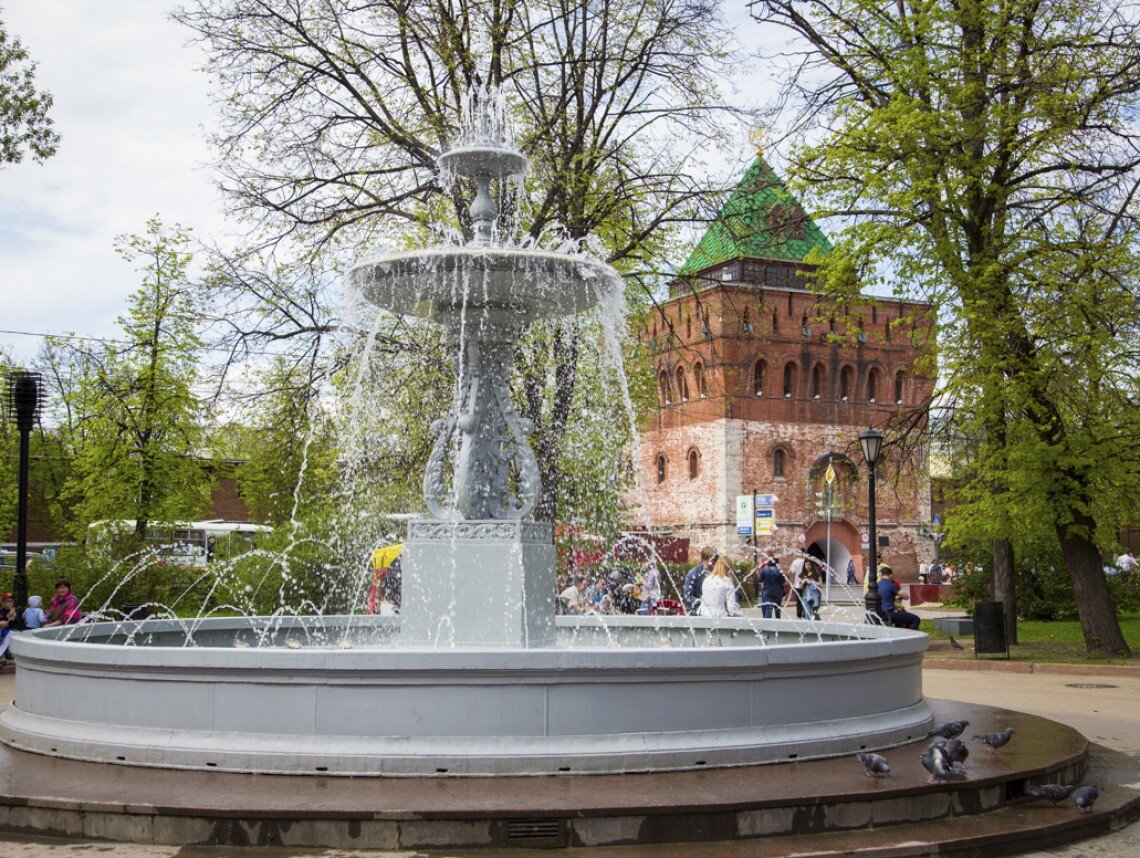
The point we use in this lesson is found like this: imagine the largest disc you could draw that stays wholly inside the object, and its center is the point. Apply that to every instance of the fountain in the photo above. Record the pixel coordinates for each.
(477, 676)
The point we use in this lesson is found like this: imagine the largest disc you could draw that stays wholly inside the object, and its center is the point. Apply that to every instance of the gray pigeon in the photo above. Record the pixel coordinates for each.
(954, 644)
(956, 750)
(875, 765)
(1086, 797)
(950, 730)
(936, 761)
(1053, 792)
(995, 740)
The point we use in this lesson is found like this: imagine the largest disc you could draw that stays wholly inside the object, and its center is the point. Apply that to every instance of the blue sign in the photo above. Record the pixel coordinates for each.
(765, 513)
(744, 531)
(766, 500)
(937, 519)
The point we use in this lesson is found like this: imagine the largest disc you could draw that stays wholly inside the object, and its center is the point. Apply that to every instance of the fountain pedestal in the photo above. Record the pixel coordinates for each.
(478, 584)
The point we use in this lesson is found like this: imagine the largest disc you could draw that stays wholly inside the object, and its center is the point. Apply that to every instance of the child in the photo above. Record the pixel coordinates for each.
(34, 617)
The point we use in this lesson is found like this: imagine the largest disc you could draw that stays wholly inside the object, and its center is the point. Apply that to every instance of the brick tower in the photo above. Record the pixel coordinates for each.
(760, 388)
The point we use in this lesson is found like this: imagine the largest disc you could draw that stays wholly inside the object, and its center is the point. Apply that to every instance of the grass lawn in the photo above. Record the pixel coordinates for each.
(1041, 641)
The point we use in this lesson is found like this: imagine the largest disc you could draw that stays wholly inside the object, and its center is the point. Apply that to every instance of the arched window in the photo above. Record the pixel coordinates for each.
(663, 385)
(758, 378)
(661, 468)
(694, 464)
(789, 380)
(775, 321)
(688, 327)
(746, 321)
(846, 376)
(699, 380)
(682, 385)
(817, 381)
(899, 378)
(872, 384)
(778, 463)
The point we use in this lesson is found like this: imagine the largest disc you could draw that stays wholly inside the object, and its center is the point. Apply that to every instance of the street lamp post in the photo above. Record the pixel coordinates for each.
(872, 442)
(25, 395)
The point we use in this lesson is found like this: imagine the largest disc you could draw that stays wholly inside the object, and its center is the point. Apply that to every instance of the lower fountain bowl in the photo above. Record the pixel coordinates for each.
(334, 699)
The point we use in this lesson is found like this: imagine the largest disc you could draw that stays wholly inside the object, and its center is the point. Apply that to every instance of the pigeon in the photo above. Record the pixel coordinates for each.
(875, 765)
(950, 730)
(995, 740)
(1086, 797)
(936, 761)
(956, 751)
(954, 644)
(1053, 792)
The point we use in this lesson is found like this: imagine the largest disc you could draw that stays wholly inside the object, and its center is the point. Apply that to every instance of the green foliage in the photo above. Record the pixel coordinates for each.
(137, 434)
(25, 126)
(985, 160)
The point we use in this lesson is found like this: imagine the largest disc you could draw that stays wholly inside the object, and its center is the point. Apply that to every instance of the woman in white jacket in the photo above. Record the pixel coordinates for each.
(718, 594)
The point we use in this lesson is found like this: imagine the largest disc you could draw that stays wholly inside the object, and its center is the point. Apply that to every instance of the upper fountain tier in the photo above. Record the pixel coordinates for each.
(499, 284)
(482, 282)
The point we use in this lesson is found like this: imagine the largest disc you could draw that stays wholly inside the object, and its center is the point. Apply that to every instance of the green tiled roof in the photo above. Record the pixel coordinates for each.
(761, 219)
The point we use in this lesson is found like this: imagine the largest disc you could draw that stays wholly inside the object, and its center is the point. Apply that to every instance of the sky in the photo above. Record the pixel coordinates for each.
(133, 114)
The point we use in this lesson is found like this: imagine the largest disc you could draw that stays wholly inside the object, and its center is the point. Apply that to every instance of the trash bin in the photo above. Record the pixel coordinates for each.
(135, 612)
(989, 629)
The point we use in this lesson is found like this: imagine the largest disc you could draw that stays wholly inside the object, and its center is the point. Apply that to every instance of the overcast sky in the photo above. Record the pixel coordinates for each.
(133, 115)
(130, 110)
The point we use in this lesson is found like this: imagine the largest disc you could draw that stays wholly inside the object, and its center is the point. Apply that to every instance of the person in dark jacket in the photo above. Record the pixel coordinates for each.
(695, 580)
(890, 594)
(771, 589)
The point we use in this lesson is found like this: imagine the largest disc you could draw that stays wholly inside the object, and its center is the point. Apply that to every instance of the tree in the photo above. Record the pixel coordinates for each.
(334, 115)
(25, 126)
(985, 159)
(138, 423)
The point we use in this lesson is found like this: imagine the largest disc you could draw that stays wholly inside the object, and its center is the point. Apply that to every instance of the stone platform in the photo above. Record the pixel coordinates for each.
(821, 801)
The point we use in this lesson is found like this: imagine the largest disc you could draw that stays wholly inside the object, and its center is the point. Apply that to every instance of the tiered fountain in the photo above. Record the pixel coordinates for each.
(477, 677)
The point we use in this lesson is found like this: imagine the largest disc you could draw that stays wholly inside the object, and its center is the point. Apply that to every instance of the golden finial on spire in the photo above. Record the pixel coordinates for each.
(760, 139)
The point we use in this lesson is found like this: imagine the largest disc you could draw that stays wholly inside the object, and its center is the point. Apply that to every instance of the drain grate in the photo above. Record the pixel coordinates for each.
(536, 833)
(1089, 685)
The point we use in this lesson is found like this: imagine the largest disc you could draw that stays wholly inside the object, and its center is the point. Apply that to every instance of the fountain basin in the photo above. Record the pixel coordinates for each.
(706, 700)
(501, 285)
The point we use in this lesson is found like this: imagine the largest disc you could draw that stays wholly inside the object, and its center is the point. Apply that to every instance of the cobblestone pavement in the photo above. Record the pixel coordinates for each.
(1104, 708)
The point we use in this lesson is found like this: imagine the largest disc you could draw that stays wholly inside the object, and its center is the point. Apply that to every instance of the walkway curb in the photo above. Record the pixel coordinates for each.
(1063, 668)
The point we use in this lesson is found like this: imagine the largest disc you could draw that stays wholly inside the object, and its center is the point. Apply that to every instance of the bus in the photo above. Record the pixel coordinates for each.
(184, 543)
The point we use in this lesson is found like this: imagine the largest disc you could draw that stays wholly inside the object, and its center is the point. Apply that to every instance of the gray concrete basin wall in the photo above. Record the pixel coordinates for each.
(325, 709)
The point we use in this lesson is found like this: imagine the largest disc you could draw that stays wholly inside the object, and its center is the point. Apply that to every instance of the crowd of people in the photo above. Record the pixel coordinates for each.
(63, 610)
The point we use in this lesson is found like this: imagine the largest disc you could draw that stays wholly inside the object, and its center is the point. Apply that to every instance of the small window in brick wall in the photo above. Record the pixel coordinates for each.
(758, 378)
(694, 464)
(661, 468)
(778, 463)
(899, 379)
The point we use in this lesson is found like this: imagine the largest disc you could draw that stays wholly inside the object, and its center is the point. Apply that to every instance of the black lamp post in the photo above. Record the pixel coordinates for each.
(25, 395)
(872, 442)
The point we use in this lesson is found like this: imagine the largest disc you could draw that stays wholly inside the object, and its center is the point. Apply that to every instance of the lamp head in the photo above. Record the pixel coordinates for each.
(871, 442)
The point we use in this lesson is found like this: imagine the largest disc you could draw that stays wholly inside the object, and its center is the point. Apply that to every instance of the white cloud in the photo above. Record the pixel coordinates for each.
(131, 111)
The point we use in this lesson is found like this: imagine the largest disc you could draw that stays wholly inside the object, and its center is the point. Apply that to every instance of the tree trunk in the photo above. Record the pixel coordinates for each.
(1004, 586)
(1090, 590)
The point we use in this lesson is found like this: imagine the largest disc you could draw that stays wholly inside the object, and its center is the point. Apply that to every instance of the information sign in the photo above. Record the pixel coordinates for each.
(744, 515)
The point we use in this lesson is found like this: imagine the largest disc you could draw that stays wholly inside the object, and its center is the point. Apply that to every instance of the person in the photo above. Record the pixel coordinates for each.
(890, 593)
(771, 589)
(936, 574)
(809, 595)
(34, 617)
(797, 571)
(1126, 563)
(851, 578)
(64, 607)
(7, 624)
(695, 579)
(570, 599)
(651, 589)
(718, 592)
